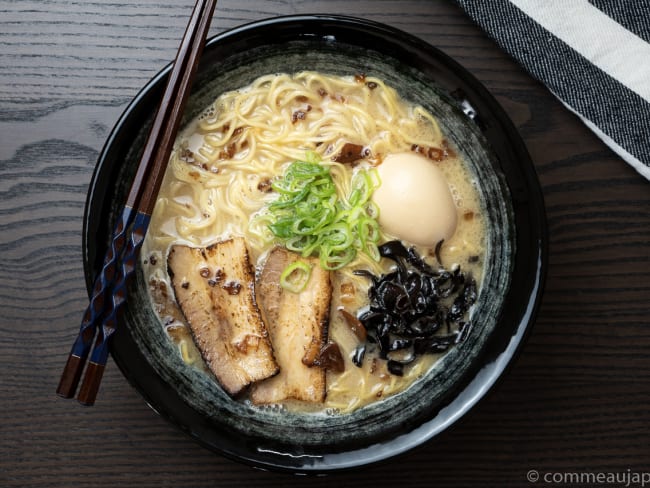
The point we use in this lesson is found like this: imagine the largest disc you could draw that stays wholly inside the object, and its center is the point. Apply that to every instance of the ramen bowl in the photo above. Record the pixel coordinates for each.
(515, 258)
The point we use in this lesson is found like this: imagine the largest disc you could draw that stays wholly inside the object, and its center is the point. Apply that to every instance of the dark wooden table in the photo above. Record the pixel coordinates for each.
(576, 401)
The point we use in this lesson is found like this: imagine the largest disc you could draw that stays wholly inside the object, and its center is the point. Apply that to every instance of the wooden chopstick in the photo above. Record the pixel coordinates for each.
(109, 289)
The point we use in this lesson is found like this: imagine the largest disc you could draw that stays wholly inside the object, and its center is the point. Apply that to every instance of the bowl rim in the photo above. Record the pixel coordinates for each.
(527, 198)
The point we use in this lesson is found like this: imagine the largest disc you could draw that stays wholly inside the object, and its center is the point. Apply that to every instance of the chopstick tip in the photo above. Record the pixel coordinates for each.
(70, 376)
(90, 386)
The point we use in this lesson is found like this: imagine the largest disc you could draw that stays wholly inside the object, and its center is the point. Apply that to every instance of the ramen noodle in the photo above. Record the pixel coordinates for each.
(218, 185)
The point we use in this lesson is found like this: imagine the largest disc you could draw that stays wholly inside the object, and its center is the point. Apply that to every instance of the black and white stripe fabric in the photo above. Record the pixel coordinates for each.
(593, 55)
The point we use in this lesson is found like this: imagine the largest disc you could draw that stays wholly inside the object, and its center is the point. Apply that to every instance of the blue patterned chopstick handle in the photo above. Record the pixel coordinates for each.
(90, 386)
(96, 308)
(106, 279)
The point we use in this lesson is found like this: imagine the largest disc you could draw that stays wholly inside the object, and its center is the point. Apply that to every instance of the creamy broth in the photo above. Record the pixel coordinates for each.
(217, 184)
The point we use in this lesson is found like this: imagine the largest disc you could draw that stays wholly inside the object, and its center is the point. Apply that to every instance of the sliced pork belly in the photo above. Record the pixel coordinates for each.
(297, 324)
(215, 289)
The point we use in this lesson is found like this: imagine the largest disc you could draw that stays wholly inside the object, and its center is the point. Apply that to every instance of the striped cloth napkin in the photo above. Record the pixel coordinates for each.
(594, 56)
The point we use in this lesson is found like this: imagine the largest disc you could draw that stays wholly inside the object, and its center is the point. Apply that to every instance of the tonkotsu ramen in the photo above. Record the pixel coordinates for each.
(317, 242)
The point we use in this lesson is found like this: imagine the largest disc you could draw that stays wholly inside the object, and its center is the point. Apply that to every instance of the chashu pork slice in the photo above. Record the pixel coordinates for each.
(298, 325)
(215, 289)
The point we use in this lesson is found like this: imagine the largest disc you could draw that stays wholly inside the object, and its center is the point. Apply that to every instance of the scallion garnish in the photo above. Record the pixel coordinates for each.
(295, 276)
(309, 217)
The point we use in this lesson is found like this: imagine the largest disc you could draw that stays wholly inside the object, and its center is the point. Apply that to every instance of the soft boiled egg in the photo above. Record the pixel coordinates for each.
(414, 200)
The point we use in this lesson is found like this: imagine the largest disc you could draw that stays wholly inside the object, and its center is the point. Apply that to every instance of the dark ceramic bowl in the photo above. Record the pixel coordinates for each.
(508, 298)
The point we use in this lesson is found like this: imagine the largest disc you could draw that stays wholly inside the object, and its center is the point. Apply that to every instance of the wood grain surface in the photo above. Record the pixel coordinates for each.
(576, 400)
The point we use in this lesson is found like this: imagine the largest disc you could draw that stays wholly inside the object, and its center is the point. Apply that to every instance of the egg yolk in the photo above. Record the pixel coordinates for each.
(414, 200)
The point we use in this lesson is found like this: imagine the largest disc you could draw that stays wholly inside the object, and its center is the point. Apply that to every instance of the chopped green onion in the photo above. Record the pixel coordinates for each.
(333, 261)
(312, 157)
(309, 217)
(295, 277)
